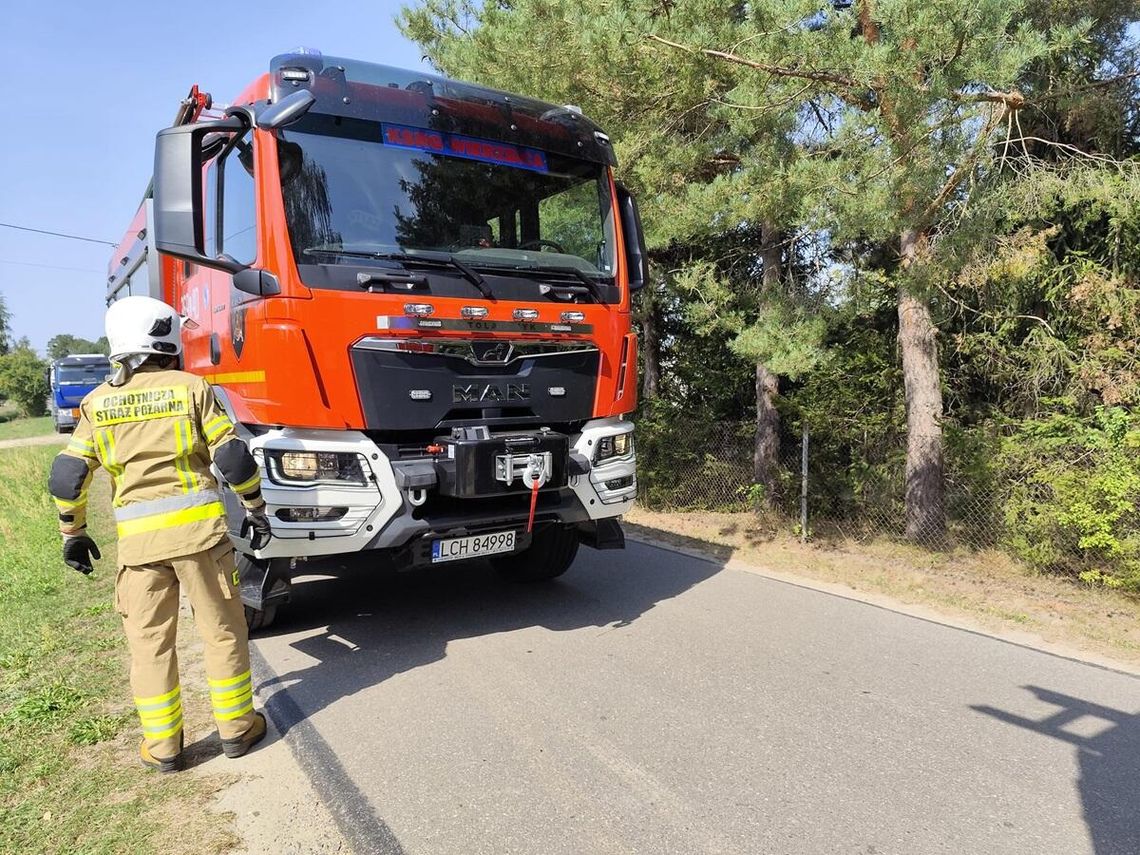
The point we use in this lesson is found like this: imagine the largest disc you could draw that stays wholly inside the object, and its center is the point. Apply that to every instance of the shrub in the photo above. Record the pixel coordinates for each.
(1073, 497)
(23, 379)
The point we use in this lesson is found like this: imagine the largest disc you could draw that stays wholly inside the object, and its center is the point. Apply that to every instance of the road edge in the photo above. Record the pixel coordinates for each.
(355, 817)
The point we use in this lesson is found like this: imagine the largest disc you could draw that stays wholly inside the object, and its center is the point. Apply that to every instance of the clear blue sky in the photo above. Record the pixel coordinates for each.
(86, 87)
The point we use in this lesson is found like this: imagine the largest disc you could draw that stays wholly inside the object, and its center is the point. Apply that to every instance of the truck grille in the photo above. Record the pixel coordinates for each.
(411, 384)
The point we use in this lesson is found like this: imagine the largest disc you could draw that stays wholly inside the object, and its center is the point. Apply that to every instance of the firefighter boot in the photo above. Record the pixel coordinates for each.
(238, 746)
(174, 764)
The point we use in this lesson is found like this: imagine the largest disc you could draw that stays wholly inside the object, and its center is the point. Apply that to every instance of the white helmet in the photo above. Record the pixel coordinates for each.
(143, 325)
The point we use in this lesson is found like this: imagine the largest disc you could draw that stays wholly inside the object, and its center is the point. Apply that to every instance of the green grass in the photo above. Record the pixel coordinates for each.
(22, 428)
(69, 782)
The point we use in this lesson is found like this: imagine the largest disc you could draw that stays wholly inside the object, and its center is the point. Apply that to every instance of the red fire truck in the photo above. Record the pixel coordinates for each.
(413, 296)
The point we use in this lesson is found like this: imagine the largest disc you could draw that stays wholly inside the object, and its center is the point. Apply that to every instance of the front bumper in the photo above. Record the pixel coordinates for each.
(403, 502)
(66, 417)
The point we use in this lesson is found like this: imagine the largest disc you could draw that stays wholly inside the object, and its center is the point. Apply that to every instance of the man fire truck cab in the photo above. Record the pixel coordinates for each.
(413, 297)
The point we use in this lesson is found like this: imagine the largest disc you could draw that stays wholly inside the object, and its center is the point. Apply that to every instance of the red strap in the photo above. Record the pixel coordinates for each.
(533, 504)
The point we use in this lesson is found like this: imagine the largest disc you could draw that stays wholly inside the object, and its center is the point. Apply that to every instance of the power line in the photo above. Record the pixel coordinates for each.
(57, 234)
(51, 266)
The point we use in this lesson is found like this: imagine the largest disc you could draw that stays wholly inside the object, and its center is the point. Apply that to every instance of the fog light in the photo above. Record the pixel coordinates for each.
(310, 515)
(619, 483)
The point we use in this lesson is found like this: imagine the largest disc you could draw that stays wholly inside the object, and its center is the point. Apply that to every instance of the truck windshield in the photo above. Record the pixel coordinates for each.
(75, 375)
(354, 188)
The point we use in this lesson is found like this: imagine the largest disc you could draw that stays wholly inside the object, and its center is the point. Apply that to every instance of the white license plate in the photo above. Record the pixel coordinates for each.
(462, 548)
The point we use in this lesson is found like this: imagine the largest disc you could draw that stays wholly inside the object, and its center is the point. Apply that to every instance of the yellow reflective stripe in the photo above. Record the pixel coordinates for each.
(106, 442)
(246, 486)
(171, 520)
(184, 445)
(216, 427)
(65, 505)
(157, 699)
(234, 703)
(81, 447)
(229, 692)
(156, 733)
(104, 453)
(160, 719)
(227, 699)
(228, 682)
(238, 377)
(161, 708)
(114, 466)
(237, 713)
(179, 450)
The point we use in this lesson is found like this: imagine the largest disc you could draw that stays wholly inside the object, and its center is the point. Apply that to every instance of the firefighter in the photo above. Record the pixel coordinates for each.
(155, 429)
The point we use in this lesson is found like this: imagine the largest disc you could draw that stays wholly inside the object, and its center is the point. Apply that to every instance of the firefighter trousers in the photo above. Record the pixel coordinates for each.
(146, 596)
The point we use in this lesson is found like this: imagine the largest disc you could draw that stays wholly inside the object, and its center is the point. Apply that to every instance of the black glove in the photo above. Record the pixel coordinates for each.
(78, 550)
(257, 524)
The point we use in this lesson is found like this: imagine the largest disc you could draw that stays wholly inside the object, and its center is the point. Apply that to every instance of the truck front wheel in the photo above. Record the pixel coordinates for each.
(266, 583)
(256, 619)
(551, 552)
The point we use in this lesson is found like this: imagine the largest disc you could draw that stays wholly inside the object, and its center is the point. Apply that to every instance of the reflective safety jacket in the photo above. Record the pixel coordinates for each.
(156, 436)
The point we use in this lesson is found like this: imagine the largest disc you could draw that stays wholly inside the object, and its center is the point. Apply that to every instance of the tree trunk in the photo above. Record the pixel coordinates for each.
(925, 500)
(650, 348)
(765, 453)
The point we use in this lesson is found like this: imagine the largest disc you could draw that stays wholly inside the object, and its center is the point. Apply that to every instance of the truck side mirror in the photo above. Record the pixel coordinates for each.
(260, 283)
(636, 258)
(179, 218)
(286, 111)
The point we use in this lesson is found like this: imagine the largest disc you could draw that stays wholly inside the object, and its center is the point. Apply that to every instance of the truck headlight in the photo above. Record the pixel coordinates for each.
(614, 445)
(315, 467)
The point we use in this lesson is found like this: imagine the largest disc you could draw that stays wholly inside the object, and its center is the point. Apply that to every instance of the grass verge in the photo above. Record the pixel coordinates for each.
(23, 428)
(987, 588)
(69, 780)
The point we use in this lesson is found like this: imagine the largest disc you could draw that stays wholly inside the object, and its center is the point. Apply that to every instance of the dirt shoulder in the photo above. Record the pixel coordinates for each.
(266, 795)
(47, 439)
(984, 592)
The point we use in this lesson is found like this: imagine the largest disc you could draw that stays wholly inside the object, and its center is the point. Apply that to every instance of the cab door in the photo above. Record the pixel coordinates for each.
(230, 229)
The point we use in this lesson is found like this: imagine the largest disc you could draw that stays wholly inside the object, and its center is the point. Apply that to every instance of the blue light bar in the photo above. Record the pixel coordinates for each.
(454, 145)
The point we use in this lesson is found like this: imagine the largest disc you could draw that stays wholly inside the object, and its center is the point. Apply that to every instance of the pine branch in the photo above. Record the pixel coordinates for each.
(774, 70)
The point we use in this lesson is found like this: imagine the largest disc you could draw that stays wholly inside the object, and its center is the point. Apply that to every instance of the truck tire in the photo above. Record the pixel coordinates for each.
(265, 585)
(550, 554)
(256, 619)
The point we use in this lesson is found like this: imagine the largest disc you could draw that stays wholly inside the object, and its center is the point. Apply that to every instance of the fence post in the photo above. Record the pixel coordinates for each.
(804, 486)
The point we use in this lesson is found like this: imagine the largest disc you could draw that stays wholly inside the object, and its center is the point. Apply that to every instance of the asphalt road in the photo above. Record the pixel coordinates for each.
(652, 702)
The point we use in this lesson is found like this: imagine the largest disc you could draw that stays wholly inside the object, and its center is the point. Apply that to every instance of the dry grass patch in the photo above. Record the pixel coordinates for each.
(985, 587)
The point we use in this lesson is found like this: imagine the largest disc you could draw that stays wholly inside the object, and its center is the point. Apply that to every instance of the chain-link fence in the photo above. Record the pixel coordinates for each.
(817, 491)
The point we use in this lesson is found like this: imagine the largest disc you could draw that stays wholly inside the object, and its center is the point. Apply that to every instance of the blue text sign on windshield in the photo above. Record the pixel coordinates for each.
(487, 151)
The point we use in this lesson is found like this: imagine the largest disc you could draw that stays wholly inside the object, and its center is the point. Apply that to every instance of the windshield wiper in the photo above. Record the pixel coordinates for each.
(580, 275)
(353, 253)
(472, 276)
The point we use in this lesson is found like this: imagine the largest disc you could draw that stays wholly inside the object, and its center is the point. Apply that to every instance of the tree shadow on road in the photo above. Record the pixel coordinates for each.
(1109, 761)
(375, 624)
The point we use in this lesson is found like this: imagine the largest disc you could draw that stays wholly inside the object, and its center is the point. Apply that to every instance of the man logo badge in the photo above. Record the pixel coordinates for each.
(490, 392)
(492, 352)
